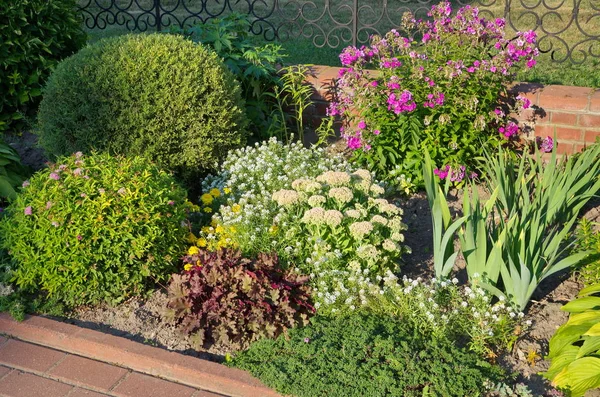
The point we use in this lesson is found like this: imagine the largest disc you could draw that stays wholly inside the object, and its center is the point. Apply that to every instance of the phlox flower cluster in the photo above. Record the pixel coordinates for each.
(448, 71)
(252, 175)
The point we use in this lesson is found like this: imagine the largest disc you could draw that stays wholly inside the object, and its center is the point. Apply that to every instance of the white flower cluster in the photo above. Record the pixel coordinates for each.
(254, 174)
(436, 306)
(340, 212)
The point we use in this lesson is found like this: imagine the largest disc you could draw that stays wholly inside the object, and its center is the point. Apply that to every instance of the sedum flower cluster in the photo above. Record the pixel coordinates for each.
(248, 179)
(440, 86)
(339, 217)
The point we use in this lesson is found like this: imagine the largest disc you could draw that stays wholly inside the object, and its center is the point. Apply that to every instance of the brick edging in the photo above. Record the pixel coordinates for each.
(142, 358)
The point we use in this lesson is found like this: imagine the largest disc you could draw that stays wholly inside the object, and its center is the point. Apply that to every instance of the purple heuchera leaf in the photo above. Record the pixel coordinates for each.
(230, 300)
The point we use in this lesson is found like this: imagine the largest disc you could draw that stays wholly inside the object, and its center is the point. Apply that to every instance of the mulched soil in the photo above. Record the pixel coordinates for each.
(141, 320)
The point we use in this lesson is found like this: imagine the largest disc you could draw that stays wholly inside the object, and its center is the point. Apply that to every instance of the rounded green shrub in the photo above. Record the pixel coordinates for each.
(35, 34)
(155, 95)
(96, 228)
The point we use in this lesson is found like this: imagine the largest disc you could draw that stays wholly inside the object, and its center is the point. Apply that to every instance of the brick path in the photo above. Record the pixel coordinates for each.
(40, 357)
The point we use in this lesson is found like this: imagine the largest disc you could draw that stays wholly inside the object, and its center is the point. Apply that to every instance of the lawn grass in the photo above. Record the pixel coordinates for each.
(554, 23)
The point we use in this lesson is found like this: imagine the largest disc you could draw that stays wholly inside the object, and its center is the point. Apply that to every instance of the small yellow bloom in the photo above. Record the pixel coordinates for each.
(236, 208)
(187, 266)
(206, 230)
(273, 229)
(201, 242)
(219, 229)
(213, 222)
(198, 263)
(191, 238)
(193, 250)
(215, 192)
(208, 210)
(206, 199)
(232, 230)
(226, 190)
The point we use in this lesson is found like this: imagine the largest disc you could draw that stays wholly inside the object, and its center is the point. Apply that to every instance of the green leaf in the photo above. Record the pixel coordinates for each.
(579, 376)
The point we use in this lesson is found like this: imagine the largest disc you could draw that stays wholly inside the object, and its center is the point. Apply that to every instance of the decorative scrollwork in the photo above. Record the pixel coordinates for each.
(569, 30)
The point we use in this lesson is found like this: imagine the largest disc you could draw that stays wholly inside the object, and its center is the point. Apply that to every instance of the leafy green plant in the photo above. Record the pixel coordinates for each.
(12, 172)
(36, 34)
(224, 298)
(538, 203)
(292, 99)
(588, 239)
(575, 347)
(444, 228)
(156, 95)
(93, 229)
(255, 67)
(365, 355)
(519, 237)
(440, 87)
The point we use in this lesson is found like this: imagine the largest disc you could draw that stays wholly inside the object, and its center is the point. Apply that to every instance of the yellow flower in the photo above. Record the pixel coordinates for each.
(219, 229)
(213, 223)
(206, 199)
(226, 190)
(187, 266)
(236, 208)
(273, 229)
(208, 210)
(201, 242)
(215, 192)
(232, 230)
(207, 230)
(198, 263)
(191, 238)
(193, 250)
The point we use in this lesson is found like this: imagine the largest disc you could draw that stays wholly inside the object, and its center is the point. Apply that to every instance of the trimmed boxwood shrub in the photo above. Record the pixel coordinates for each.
(95, 228)
(35, 34)
(155, 95)
(366, 355)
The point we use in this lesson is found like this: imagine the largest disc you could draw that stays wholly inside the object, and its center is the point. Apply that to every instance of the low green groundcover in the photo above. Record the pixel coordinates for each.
(366, 355)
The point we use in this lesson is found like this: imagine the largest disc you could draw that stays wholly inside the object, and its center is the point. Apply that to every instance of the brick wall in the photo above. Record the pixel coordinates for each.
(572, 113)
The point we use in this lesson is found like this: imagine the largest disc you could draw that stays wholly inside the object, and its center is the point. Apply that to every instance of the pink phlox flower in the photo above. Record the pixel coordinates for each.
(362, 125)
(376, 132)
(443, 173)
(545, 145)
(55, 176)
(458, 174)
(354, 143)
(509, 130)
(28, 210)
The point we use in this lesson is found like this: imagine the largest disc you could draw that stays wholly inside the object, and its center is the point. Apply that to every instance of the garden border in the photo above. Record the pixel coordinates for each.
(142, 358)
(572, 113)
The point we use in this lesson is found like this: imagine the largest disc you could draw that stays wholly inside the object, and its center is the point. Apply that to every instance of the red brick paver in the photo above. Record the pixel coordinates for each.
(26, 356)
(23, 384)
(144, 385)
(85, 393)
(86, 372)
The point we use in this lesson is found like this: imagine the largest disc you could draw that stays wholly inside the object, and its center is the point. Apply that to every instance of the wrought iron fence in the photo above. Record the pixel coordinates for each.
(568, 30)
